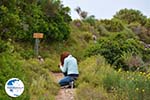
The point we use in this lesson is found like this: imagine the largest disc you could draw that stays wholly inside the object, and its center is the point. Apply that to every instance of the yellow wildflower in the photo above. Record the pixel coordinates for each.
(137, 89)
(119, 70)
(144, 73)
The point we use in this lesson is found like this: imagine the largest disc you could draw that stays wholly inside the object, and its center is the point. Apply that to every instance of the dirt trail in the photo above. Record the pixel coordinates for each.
(63, 94)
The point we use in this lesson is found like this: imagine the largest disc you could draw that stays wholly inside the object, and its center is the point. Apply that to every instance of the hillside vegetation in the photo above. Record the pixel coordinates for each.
(113, 54)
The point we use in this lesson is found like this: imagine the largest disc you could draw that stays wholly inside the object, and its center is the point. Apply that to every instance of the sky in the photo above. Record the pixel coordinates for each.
(105, 9)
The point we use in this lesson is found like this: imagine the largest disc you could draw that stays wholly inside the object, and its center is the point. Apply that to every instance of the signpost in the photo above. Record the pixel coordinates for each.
(37, 36)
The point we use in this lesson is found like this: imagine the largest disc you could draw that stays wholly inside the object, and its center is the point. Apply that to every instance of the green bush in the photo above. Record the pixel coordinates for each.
(38, 81)
(134, 62)
(27, 54)
(42, 81)
(102, 30)
(3, 46)
(142, 32)
(82, 25)
(87, 36)
(113, 25)
(130, 15)
(90, 80)
(114, 46)
(11, 67)
(146, 55)
(51, 65)
(147, 25)
(20, 19)
(98, 80)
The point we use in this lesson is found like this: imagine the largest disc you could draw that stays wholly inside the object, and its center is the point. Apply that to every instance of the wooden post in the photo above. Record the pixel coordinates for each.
(37, 36)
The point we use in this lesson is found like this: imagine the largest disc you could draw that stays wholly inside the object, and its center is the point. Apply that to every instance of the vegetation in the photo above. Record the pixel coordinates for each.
(20, 19)
(98, 80)
(130, 16)
(37, 79)
(113, 54)
(118, 45)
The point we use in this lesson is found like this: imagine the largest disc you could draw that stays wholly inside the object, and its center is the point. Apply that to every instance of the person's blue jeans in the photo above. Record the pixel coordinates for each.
(66, 80)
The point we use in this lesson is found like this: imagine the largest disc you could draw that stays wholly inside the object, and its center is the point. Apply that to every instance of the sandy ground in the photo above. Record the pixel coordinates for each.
(64, 94)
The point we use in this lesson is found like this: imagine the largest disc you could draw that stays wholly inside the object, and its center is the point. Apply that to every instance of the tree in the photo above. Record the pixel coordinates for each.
(91, 20)
(20, 19)
(82, 14)
(130, 15)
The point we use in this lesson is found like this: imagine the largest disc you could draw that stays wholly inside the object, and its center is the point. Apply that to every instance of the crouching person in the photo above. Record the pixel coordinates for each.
(69, 67)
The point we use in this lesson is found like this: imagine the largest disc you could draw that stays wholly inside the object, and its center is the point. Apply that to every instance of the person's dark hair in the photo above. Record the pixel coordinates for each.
(63, 56)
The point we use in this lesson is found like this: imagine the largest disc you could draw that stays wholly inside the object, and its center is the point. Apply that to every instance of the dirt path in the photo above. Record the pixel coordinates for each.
(63, 94)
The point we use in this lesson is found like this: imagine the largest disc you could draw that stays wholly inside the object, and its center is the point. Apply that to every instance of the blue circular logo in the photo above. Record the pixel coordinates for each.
(14, 87)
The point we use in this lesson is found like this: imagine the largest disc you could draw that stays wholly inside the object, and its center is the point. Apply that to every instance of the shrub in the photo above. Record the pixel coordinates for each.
(102, 30)
(134, 62)
(20, 19)
(113, 25)
(130, 15)
(82, 25)
(11, 67)
(90, 80)
(88, 92)
(147, 25)
(98, 80)
(51, 65)
(39, 86)
(140, 31)
(113, 47)
(27, 54)
(87, 36)
(77, 23)
(146, 55)
(3, 46)
(41, 81)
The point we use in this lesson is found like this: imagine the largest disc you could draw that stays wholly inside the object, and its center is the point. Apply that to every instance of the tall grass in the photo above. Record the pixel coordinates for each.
(110, 84)
(38, 81)
(42, 85)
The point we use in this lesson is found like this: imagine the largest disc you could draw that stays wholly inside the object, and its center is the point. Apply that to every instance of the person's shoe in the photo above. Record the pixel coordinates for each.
(71, 85)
